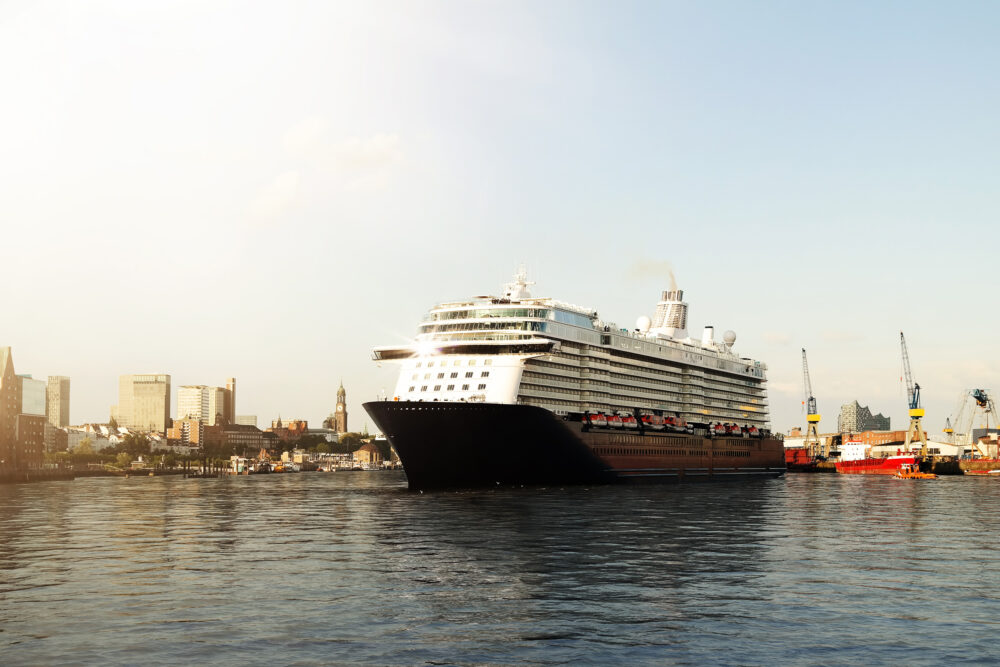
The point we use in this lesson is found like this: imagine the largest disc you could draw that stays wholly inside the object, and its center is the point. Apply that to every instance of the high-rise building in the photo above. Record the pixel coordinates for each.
(340, 416)
(230, 412)
(10, 407)
(246, 420)
(855, 418)
(57, 400)
(143, 402)
(32, 396)
(211, 405)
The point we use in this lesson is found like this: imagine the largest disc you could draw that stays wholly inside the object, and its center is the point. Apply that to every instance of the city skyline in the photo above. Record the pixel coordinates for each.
(819, 177)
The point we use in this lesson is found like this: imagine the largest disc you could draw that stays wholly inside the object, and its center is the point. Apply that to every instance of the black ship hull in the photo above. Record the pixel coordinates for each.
(474, 445)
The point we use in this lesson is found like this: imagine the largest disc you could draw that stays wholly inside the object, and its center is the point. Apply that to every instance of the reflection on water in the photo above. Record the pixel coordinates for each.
(341, 568)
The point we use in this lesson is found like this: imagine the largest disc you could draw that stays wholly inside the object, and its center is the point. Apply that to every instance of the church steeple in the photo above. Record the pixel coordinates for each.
(340, 414)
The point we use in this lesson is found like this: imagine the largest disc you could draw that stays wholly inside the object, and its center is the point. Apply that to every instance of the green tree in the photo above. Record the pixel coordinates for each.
(135, 444)
(350, 441)
(85, 447)
(124, 460)
(323, 448)
(113, 424)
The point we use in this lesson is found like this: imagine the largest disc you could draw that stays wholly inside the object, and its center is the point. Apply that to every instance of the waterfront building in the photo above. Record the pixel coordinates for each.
(242, 439)
(186, 432)
(246, 420)
(877, 438)
(367, 454)
(32, 396)
(290, 429)
(854, 418)
(57, 400)
(30, 438)
(10, 407)
(55, 438)
(143, 402)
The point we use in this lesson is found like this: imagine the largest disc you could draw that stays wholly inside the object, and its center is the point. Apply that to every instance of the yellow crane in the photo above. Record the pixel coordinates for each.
(916, 411)
(812, 417)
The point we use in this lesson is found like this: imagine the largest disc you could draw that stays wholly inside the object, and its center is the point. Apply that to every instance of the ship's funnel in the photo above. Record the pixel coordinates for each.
(671, 315)
(708, 336)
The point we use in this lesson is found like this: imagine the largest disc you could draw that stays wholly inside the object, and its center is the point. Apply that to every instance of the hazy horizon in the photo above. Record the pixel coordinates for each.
(266, 192)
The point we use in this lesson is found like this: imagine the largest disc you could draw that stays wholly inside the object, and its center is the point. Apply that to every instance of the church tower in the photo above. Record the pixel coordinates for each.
(340, 416)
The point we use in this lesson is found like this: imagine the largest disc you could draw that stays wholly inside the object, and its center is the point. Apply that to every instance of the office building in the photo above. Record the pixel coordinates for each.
(57, 400)
(143, 402)
(33, 401)
(211, 405)
(246, 420)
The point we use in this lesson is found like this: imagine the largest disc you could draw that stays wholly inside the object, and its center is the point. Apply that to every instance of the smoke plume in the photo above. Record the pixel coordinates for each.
(656, 269)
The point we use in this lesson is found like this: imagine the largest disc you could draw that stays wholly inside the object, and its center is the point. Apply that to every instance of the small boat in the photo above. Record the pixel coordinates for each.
(614, 421)
(655, 422)
(983, 472)
(597, 419)
(912, 471)
(629, 422)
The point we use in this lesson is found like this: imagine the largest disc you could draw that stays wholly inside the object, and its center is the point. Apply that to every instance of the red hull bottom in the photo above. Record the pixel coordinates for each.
(887, 466)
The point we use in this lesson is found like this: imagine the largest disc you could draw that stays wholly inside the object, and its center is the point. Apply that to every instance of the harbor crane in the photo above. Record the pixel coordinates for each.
(812, 417)
(916, 411)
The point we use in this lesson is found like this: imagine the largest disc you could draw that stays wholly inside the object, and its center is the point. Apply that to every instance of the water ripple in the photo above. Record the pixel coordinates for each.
(316, 569)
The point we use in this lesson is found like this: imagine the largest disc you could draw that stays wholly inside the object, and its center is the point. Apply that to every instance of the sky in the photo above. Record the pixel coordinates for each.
(269, 190)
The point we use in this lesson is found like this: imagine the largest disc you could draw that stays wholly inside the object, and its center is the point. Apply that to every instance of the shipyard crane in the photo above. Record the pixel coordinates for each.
(985, 402)
(812, 418)
(913, 396)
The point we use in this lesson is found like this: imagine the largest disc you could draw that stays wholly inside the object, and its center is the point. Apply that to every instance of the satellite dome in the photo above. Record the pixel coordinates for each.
(729, 337)
(643, 323)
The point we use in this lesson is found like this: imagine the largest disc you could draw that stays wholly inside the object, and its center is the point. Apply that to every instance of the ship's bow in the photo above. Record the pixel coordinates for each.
(467, 445)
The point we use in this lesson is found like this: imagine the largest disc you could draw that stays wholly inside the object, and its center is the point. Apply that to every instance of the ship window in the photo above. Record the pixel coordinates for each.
(437, 387)
(465, 387)
(487, 362)
(469, 374)
(412, 388)
(427, 376)
(484, 374)
(454, 375)
(451, 387)
(482, 386)
(472, 362)
(458, 362)
(419, 364)
(440, 375)
(424, 388)
(414, 376)
(430, 364)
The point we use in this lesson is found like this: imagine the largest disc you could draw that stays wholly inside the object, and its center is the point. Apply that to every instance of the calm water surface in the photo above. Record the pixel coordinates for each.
(351, 568)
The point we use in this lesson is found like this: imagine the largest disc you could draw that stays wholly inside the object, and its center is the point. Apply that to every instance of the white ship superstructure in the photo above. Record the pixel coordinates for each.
(517, 349)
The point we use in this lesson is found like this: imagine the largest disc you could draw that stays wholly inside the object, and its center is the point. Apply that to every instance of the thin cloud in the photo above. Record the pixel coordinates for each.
(777, 337)
(276, 198)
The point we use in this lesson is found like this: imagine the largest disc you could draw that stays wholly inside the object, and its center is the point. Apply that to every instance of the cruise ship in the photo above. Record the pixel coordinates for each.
(520, 390)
